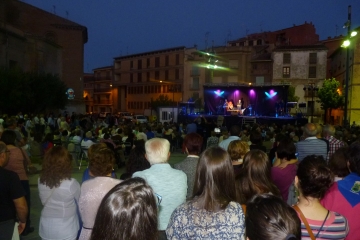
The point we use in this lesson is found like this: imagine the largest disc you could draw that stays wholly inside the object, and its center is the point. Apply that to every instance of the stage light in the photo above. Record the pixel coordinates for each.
(219, 93)
(271, 94)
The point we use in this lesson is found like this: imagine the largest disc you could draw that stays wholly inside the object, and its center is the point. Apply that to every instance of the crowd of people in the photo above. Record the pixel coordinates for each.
(254, 181)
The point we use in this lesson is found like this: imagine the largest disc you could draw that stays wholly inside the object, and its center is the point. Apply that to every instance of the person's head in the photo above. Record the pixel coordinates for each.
(214, 184)
(319, 130)
(193, 143)
(313, 177)
(338, 162)
(101, 162)
(56, 166)
(8, 137)
(255, 137)
(95, 147)
(353, 157)
(237, 149)
(235, 130)
(329, 130)
(4, 155)
(88, 134)
(310, 130)
(286, 150)
(131, 205)
(255, 177)
(157, 150)
(269, 217)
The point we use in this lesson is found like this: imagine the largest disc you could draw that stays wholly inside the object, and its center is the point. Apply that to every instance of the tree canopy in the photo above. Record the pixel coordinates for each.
(162, 101)
(30, 92)
(329, 95)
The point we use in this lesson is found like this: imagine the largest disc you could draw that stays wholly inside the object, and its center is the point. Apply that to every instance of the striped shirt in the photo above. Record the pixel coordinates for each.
(335, 227)
(310, 146)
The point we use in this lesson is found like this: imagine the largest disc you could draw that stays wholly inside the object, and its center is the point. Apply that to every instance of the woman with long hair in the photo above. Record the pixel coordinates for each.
(18, 162)
(101, 163)
(59, 194)
(313, 179)
(213, 212)
(269, 217)
(255, 177)
(127, 212)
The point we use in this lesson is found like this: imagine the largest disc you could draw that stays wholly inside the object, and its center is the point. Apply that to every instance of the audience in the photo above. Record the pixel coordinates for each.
(193, 145)
(237, 150)
(59, 194)
(213, 212)
(255, 177)
(313, 179)
(170, 184)
(128, 211)
(343, 196)
(338, 163)
(270, 218)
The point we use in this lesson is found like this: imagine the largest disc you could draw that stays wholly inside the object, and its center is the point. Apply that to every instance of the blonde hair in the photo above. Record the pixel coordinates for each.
(237, 149)
(157, 150)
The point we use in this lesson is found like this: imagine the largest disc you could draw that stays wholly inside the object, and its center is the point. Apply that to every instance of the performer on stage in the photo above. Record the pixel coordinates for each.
(239, 105)
(242, 103)
(231, 105)
(225, 106)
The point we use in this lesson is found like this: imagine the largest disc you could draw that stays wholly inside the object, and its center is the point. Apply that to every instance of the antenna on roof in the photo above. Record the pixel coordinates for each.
(54, 8)
(67, 14)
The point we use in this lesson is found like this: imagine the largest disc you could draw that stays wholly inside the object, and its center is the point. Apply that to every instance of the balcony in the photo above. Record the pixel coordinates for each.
(102, 90)
(103, 102)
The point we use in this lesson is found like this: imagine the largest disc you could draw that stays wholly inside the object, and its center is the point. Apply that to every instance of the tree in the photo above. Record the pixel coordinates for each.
(30, 92)
(329, 96)
(162, 101)
(291, 95)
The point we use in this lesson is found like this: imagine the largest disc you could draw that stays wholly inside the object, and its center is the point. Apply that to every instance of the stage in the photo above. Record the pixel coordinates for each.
(240, 120)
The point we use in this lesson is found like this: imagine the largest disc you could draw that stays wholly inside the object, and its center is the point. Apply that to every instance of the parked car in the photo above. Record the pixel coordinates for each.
(124, 116)
(140, 119)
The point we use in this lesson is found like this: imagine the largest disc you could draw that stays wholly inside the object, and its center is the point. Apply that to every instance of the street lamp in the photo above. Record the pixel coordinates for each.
(311, 87)
(346, 44)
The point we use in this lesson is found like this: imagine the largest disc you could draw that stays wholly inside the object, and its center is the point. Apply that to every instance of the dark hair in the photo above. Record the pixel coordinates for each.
(353, 157)
(8, 137)
(315, 178)
(255, 176)
(56, 166)
(338, 162)
(49, 137)
(286, 149)
(101, 161)
(269, 217)
(214, 184)
(255, 138)
(193, 142)
(235, 130)
(136, 160)
(128, 211)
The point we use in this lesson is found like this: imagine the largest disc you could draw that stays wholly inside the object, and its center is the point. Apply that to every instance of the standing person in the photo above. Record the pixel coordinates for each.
(193, 145)
(128, 211)
(334, 144)
(59, 194)
(343, 196)
(18, 159)
(13, 205)
(270, 218)
(213, 140)
(313, 179)
(213, 212)
(311, 144)
(101, 164)
(167, 182)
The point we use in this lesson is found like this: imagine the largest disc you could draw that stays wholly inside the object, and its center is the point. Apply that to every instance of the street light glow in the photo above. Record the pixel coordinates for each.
(353, 34)
(346, 43)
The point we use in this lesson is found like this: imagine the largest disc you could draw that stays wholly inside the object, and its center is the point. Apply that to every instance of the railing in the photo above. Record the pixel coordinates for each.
(98, 90)
(103, 102)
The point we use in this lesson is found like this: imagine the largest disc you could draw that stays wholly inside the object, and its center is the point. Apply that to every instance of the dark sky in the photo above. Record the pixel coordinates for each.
(122, 27)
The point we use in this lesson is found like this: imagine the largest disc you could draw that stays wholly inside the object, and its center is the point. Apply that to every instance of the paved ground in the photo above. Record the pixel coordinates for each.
(36, 205)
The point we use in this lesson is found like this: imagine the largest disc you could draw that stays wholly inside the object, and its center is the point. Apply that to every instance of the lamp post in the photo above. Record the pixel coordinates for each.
(313, 88)
(348, 25)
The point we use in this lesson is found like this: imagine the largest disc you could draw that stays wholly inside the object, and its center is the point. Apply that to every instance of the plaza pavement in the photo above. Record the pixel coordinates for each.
(36, 205)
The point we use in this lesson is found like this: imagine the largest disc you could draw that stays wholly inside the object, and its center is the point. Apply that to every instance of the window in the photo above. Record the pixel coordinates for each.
(312, 72)
(177, 74)
(131, 65)
(312, 58)
(286, 58)
(286, 72)
(139, 77)
(166, 60)
(131, 77)
(148, 62)
(166, 74)
(259, 42)
(251, 43)
(139, 64)
(148, 77)
(157, 75)
(233, 63)
(177, 59)
(254, 66)
(157, 62)
(195, 84)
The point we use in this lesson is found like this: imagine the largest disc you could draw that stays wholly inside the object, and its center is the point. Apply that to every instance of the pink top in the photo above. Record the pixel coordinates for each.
(335, 201)
(16, 162)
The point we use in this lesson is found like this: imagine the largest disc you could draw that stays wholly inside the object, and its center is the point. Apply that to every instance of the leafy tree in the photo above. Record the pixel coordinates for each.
(30, 92)
(162, 101)
(291, 95)
(329, 97)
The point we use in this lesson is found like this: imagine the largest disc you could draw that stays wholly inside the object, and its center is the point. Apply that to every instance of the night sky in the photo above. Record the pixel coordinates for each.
(122, 27)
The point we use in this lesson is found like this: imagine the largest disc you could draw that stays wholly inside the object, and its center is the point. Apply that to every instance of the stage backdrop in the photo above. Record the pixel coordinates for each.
(262, 100)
